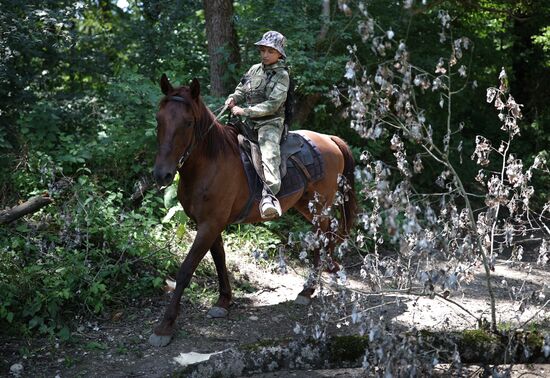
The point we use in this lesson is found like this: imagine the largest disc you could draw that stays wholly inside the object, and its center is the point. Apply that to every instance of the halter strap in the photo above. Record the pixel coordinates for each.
(176, 98)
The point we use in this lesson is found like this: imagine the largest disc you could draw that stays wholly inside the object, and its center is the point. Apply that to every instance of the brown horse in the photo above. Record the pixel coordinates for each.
(213, 188)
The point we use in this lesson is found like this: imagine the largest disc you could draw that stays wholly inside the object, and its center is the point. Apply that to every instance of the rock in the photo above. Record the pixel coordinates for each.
(303, 301)
(217, 312)
(16, 369)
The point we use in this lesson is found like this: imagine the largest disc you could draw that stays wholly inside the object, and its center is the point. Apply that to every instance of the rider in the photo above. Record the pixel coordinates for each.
(265, 87)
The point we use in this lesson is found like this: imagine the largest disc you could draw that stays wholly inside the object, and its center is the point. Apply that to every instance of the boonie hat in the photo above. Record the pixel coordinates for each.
(275, 40)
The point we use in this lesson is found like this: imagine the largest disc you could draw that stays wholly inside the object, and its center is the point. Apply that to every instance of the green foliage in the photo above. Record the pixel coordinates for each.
(252, 238)
(543, 40)
(80, 258)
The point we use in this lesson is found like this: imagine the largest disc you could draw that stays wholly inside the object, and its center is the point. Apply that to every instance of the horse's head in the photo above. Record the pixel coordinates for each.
(176, 118)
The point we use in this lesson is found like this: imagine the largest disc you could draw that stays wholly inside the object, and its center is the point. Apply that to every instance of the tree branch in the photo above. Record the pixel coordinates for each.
(31, 206)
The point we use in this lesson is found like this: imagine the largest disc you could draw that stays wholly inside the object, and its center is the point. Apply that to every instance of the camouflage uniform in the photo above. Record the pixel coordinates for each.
(265, 89)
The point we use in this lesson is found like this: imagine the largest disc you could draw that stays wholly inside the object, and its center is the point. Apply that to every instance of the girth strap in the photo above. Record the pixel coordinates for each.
(298, 163)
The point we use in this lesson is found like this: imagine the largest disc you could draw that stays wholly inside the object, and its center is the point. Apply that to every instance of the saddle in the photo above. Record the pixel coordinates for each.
(301, 163)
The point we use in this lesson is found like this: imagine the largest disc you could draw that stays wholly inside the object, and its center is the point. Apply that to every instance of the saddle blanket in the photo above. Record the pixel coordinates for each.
(294, 180)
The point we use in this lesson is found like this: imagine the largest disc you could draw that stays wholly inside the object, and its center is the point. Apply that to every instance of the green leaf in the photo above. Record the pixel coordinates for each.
(52, 309)
(181, 230)
(35, 321)
(94, 345)
(170, 196)
(22, 228)
(64, 333)
(157, 282)
(171, 212)
(181, 218)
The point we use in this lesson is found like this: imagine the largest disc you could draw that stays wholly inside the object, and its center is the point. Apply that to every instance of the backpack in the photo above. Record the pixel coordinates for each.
(289, 106)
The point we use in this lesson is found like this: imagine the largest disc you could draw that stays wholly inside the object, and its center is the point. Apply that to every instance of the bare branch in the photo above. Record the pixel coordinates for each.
(29, 207)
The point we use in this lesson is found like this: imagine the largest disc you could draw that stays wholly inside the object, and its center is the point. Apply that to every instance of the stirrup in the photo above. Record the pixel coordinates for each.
(270, 207)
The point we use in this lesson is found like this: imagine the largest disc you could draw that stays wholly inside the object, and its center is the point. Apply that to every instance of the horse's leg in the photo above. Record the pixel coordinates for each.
(220, 309)
(206, 235)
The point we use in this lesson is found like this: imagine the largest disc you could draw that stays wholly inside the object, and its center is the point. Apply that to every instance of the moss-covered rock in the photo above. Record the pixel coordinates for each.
(347, 349)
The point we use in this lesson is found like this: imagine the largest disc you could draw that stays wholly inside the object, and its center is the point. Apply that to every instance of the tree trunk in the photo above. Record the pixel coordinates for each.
(31, 206)
(304, 107)
(325, 16)
(529, 83)
(305, 104)
(223, 48)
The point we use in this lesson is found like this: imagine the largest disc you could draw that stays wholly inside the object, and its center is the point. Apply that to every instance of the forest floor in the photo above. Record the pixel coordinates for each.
(263, 310)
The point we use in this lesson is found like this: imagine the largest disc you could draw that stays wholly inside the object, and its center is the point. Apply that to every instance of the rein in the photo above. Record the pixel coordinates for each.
(193, 144)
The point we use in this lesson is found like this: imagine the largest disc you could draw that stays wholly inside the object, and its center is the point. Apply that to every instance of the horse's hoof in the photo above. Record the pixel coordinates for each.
(217, 312)
(302, 300)
(159, 340)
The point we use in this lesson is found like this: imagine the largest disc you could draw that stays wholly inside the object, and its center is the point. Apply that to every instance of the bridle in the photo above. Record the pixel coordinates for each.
(185, 155)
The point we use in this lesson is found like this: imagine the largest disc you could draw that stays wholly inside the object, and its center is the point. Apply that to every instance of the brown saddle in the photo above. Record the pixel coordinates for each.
(289, 147)
(301, 163)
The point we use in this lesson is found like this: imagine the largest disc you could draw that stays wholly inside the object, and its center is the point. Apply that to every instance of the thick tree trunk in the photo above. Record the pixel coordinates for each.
(307, 103)
(325, 16)
(222, 43)
(529, 84)
(304, 107)
(31, 206)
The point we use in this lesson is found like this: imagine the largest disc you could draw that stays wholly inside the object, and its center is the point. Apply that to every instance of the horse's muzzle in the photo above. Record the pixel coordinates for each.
(163, 176)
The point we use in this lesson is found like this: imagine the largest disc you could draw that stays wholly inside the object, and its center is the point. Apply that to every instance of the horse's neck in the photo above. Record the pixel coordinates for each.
(213, 145)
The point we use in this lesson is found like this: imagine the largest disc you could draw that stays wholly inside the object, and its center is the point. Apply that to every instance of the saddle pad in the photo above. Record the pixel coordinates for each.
(294, 180)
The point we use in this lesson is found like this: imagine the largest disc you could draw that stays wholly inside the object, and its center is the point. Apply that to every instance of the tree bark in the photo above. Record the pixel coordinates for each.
(31, 206)
(223, 48)
(325, 16)
(304, 107)
(530, 79)
(305, 104)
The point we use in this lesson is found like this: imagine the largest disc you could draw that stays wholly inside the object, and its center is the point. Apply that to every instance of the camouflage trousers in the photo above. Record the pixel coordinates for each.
(269, 140)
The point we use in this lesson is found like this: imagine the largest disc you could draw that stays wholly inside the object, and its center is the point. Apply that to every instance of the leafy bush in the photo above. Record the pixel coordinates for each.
(90, 249)
(80, 258)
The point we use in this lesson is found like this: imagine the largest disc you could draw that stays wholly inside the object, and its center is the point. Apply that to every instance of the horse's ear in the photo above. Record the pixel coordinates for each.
(195, 89)
(165, 85)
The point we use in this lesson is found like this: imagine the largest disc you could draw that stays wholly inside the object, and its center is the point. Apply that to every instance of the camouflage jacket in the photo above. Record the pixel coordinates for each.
(265, 89)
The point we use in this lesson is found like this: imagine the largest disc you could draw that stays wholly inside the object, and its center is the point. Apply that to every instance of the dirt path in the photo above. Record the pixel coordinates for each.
(118, 347)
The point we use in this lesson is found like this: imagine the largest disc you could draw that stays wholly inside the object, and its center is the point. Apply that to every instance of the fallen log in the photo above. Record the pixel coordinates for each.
(473, 346)
(29, 207)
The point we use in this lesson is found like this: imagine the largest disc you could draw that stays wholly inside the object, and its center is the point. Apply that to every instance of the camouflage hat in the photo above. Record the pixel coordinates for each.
(275, 40)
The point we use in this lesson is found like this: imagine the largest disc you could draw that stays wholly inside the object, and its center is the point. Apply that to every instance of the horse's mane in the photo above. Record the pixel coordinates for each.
(219, 138)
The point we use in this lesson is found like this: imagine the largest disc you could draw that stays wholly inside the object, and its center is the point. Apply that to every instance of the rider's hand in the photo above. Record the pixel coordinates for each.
(230, 102)
(237, 110)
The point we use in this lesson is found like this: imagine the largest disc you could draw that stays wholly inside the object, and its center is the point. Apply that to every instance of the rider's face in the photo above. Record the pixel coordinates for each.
(269, 55)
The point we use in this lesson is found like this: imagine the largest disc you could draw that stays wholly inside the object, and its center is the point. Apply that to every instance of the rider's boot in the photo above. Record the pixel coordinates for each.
(270, 207)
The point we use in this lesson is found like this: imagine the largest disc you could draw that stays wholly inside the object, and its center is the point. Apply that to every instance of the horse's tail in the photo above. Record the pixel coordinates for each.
(350, 202)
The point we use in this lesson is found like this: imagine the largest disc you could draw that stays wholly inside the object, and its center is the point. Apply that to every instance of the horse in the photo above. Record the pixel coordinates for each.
(213, 188)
